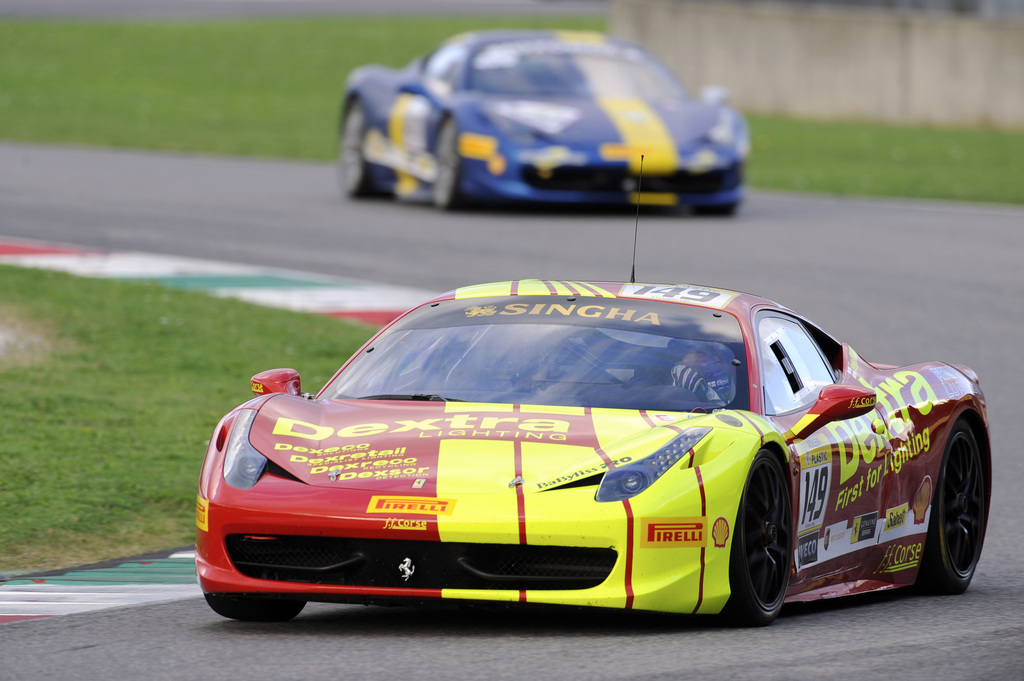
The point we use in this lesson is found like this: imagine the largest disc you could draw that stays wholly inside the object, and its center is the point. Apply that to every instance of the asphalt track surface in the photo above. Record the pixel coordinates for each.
(900, 280)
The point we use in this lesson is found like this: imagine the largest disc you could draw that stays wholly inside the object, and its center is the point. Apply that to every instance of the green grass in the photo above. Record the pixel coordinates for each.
(104, 429)
(879, 160)
(272, 87)
(265, 88)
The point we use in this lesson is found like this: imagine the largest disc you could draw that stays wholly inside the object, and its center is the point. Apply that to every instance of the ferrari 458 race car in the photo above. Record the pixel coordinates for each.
(648, 447)
(499, 116)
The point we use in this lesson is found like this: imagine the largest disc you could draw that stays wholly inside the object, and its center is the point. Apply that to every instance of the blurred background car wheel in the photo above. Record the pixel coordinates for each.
(447, 194)
(353, 173)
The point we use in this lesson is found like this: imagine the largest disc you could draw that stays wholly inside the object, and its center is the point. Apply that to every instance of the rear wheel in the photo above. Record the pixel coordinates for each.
(353, 172)
(956, 530)
(762, 555)
(250, 609)
(447, 194)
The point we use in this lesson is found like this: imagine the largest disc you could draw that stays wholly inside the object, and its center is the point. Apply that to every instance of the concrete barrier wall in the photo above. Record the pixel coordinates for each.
(838, 63)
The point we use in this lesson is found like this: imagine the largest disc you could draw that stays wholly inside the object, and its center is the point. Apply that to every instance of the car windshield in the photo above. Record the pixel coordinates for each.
(583, 352)
(552, 68)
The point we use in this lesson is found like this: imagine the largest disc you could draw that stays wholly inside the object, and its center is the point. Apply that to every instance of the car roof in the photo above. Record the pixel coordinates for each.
(734, 302)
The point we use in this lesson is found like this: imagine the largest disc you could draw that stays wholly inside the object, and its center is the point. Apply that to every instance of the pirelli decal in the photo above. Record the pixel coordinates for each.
(202, 513)
(665, 533)
(417, 505)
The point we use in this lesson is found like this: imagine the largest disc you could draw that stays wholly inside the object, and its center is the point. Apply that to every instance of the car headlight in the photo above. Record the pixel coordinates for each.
(724, 131)
(631, 479)
(243, 465)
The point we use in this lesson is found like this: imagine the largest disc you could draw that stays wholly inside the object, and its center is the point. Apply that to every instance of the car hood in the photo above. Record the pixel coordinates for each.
(452, 447)
(582, 122)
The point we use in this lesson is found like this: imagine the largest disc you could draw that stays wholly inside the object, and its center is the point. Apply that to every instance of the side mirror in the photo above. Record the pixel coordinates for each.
(415, 87)
(715, 95)
(835, 403)
(277, 381)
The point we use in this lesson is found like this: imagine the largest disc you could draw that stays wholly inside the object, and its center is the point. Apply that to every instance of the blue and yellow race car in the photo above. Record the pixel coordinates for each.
(562, 117)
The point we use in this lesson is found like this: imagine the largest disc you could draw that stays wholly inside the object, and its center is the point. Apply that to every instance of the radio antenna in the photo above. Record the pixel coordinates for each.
(636, 226)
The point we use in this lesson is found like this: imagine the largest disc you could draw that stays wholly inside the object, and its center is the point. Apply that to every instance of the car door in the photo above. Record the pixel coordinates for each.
(835, 467)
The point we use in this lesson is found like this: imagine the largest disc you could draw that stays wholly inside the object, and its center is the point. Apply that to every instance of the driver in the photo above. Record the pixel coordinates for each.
(700, 372)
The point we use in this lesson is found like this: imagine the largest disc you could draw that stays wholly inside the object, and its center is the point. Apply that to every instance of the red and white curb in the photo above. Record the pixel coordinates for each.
(154, 581)
(362, 301)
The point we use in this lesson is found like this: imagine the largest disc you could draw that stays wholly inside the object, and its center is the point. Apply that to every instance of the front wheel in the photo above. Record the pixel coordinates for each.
(353, 170)
(250, 609)
(447, 194)
(956, 530)
(762, 555)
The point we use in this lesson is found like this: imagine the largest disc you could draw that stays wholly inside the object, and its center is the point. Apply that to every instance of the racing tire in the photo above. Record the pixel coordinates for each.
(956, 530)
(446, 190)
(762, 548)
(720, 209)
(249, 609)
(353, 169)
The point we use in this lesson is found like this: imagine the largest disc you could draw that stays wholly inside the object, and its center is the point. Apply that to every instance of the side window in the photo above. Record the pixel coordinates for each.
(792, 366)
(442, 69)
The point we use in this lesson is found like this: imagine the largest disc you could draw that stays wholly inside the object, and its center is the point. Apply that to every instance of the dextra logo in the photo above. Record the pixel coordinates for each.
(898, 396)
(458, 425)
(420, 505)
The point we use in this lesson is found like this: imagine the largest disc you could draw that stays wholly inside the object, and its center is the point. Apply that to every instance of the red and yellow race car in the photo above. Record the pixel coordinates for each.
(666, 448)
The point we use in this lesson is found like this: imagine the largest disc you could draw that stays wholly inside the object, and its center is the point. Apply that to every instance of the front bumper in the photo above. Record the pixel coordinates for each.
(590, 179)
(278, 540)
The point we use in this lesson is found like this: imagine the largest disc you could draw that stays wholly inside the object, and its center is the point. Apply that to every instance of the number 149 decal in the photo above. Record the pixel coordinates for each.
(815, 483)
(682, 293)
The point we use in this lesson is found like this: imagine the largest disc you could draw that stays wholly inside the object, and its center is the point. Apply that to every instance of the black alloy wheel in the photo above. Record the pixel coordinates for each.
(762, 550)
(956, 530)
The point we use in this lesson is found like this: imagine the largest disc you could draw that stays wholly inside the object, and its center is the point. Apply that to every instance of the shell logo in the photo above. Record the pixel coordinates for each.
(720, 532)
(922, 500)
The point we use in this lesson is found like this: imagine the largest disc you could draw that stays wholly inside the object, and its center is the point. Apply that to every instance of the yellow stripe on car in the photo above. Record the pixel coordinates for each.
(396, 132)
(643, 133)
(802, 424)
(484, 290)
(553, 409)
(585, 37)
(475, 459)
